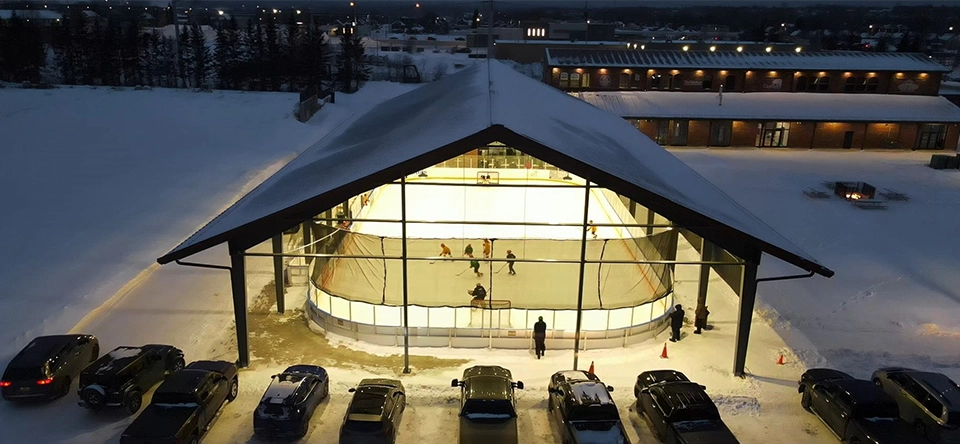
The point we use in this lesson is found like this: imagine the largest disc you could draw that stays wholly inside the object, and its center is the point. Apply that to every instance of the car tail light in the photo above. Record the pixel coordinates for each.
(5, 383)
(45, 381)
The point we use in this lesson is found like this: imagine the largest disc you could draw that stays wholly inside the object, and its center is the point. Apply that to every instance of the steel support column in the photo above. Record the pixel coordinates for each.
(651, 216)
(583, 265)
(703, 284)
(403, 261)
(278, 271)
(748, 296)
(307, 236)
(238, 283)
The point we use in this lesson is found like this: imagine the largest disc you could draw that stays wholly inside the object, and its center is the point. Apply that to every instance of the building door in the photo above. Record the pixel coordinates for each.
(848, 139)
(678, 132)
(774, 134)
(932, 137)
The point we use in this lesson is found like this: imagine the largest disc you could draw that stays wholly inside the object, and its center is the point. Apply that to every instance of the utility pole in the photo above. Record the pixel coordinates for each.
(490, 33)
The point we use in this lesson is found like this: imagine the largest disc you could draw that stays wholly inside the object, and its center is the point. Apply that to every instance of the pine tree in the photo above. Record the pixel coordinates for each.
(63, 52)
(130, 65)
(22, 51)
(183, 58)
(200, 57)
(293, 65)
(352, 70)
(316, 54)
(226, 55)
(273, 44)
(110, 55)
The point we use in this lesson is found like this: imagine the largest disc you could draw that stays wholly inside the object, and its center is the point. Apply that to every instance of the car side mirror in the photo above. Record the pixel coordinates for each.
(519, 385)
(609, 388)
(397, 393)
(455, 383)
(352, 389)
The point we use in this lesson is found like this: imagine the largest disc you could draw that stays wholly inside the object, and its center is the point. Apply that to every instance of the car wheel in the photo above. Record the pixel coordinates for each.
(64, 387)
(920, 427)
(805, 399)
(94, 397)
(133, 401)
(177, 366)
(194, 440)
(234, 389)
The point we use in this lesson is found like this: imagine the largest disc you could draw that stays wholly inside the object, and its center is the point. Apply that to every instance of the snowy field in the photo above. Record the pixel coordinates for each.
(78, 161)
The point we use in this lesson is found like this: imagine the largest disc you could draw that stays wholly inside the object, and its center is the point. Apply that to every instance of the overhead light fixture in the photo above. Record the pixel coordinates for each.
(567, 177)
(422, 174)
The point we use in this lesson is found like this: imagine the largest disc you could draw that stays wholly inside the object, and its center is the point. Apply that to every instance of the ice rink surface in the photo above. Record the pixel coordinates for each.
(535, 285)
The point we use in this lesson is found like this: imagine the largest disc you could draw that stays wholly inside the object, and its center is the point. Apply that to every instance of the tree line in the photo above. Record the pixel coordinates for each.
(262, 55)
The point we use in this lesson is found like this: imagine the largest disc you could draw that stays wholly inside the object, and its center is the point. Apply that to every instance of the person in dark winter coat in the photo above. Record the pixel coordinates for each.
(676, 321)
(701, 319)
(479, 293)
(539, 336)
(510, 255)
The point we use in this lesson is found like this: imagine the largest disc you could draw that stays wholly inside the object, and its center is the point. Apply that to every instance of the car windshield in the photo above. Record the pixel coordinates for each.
(488, 409)
(24, 374)
(879, 410)
(592, 412)
(597, 426)
(695, 413)
(363, 426)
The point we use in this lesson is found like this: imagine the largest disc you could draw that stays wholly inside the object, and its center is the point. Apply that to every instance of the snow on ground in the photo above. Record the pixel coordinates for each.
(895, 297)
(98, 183)
(109, 160)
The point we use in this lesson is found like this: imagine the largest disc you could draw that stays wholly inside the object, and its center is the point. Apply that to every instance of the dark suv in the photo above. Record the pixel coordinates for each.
(121, 377)
(487, 405)
(375, 412)
(583, 409)
(928, 401)
(290, 400)
(47, 366)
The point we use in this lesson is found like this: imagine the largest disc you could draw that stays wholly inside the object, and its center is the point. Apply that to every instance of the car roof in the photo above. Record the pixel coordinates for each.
(488, 387)
(663, 376)
(183, 381)
(286, 386)
(684, 394)
(487, 370)
(862, 391)
(120, 358)
(368, 400)
(589, 393)
(40, 350)
(941, 386)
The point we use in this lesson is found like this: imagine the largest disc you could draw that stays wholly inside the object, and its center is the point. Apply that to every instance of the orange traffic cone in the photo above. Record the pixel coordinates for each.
(780, 361)
(591, 368)
(663, 354)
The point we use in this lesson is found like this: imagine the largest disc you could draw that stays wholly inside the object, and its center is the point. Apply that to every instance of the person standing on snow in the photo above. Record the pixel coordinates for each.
(701, 318)
(510, 255)
(676, 321)
(539, 336)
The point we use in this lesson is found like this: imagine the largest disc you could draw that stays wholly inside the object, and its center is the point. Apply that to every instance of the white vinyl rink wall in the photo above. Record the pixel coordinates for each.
(476, 318)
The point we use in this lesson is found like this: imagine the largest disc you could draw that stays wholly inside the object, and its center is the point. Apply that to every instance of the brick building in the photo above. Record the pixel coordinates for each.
(851, 100)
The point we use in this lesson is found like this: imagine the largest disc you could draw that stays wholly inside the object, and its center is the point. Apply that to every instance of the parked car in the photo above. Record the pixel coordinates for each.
(487, 405)
(682, 413)
(930, 402)
(648, 378)
(47, 367)
(289, 402)
(186, 405)
(375, 412)
(121, 377)
(583, 409)
(855, 410)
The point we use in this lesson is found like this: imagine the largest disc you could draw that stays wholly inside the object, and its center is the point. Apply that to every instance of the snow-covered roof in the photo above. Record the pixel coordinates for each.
(823, 60)
(949, 88)
(774, 106)
(484, 103)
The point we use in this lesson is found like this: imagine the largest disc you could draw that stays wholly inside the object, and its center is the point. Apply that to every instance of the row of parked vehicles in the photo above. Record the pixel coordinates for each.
(898, 405)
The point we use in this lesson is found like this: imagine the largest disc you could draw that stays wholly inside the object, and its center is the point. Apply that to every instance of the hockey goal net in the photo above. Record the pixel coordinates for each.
(488, 177)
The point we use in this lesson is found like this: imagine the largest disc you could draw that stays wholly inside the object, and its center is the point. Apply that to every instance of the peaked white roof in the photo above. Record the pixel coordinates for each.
(774, 106)
(482, 103)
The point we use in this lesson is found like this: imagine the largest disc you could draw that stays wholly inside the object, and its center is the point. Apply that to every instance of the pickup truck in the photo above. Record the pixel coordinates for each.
(185, 405)
(487, 405)
(583, 409)
(856, 410)
(680, 412)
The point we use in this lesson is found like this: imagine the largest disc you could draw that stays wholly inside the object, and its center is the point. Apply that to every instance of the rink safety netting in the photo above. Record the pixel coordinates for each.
(536, 285)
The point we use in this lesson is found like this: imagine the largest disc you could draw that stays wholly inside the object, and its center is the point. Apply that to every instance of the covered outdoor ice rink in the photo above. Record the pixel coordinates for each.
(537, 214)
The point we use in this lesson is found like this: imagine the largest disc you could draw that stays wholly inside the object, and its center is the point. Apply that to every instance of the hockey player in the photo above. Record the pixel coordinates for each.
(592, 228)
(445, 251)
(468, 250)
(486, 248)
(479, 293)
(475, 265)
(510, 255)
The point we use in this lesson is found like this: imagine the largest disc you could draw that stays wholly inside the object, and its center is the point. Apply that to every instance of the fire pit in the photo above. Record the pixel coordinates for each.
(854, 190)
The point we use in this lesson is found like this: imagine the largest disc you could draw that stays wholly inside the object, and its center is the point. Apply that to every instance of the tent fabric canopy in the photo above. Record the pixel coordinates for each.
(483, 103)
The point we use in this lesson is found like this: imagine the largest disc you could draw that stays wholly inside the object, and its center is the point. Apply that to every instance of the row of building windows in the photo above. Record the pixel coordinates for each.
(705, 83)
